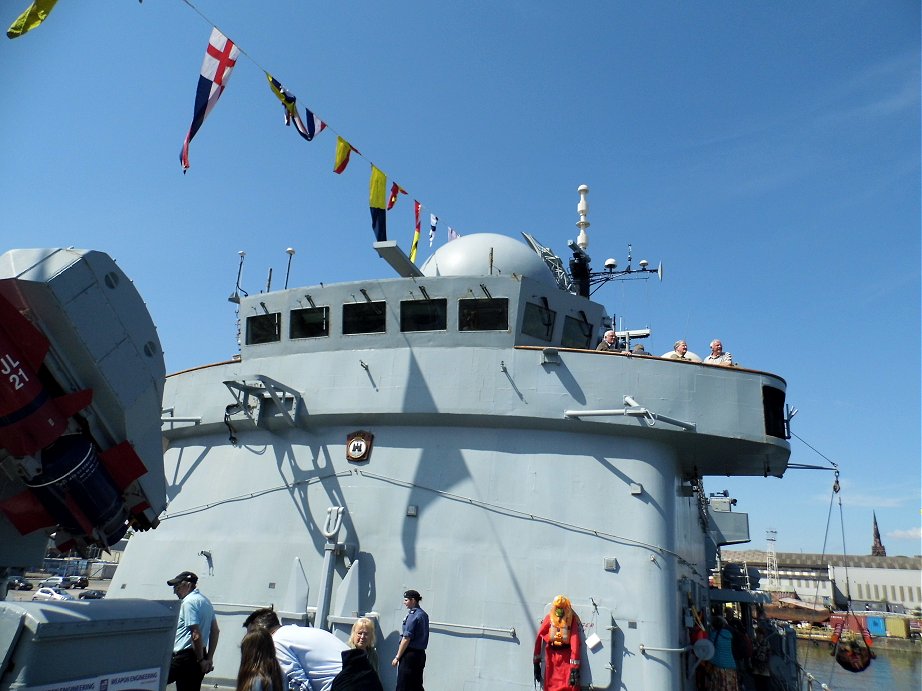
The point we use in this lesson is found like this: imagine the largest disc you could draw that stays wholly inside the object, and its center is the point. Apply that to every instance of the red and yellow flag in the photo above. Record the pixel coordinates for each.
(416, 207)
(395, 191)
(343, 151)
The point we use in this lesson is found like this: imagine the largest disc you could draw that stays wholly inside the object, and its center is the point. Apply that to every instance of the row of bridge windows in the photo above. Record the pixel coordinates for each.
(474, 314)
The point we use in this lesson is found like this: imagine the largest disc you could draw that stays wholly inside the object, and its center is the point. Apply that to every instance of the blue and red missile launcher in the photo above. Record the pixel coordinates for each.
(73, 417)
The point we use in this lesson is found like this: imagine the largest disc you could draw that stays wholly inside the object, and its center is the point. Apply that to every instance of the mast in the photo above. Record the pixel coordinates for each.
(771, 561)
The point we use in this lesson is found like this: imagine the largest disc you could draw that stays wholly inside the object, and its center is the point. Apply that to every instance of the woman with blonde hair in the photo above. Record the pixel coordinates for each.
(259, 669)
(363, 638)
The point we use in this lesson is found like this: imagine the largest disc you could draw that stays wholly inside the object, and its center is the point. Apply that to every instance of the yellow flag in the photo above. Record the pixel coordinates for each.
(31, 18)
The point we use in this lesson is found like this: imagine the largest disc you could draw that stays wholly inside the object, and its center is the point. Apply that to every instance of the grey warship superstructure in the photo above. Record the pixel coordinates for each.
(454, 430)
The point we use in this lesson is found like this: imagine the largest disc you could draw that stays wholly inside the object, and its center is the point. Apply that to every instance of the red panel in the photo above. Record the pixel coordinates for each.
(30, 342)
(123, 464)
(26, 513)
(37, 429)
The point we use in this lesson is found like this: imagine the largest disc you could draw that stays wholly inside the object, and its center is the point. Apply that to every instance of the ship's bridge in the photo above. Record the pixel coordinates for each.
(483, 330)
(484, 290)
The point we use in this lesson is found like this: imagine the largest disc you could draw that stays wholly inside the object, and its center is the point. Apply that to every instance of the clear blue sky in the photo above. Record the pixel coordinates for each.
(768, 153)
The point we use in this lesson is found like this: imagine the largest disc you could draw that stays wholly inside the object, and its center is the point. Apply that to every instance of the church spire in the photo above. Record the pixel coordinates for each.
(877, 549)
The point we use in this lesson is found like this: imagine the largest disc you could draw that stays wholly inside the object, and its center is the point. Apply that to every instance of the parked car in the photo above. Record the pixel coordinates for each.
(17, 583)
(91, 595)
(52, 594)
(54, 582)
(78, 581)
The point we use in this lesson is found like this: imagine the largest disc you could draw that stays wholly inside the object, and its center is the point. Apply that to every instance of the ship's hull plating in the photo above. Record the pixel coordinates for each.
(478, 492)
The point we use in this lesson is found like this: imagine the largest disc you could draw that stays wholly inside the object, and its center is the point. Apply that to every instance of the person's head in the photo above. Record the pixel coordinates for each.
(411, 599)
(258, 661)
(363, 634)
(264, 618)
(681, 347)
(609, 337)
(639, 349)
(716, 347)
(183, 584)
(561, 605)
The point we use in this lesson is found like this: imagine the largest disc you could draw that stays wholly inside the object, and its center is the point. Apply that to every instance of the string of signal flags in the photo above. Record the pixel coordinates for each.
(221, 56)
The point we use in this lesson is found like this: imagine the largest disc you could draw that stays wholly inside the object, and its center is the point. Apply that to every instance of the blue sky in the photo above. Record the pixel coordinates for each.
(768, 153)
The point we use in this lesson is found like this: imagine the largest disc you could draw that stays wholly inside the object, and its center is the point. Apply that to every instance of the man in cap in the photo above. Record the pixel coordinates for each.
(196, 635)
(414, 638)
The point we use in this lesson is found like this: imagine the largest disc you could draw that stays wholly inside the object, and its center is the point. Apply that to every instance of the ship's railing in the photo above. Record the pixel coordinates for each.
(552, 356)
(467, 627)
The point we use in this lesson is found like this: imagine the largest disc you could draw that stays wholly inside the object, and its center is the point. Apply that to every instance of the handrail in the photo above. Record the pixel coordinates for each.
(645, 648)
(635, 410)
(442, 624)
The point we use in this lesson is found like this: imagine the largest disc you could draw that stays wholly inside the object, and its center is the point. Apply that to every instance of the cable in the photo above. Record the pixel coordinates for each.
(815, 450)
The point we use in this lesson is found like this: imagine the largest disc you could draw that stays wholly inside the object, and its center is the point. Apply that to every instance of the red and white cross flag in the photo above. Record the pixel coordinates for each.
(220, 58)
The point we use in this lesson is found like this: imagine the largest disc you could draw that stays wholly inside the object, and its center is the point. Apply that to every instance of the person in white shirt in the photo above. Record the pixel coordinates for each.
(312, 658)
(680, 351)
(718, 356)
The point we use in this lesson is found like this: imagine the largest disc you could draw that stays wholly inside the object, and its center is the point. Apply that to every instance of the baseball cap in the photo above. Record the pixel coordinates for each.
(183, 577)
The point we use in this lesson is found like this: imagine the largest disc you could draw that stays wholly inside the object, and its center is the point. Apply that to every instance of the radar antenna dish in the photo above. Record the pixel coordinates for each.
(553, 263)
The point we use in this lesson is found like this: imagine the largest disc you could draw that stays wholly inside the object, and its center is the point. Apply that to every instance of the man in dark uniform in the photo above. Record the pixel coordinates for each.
(414, 638)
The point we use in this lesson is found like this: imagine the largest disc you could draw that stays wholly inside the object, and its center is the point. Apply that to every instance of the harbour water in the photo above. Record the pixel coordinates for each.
(900, 671)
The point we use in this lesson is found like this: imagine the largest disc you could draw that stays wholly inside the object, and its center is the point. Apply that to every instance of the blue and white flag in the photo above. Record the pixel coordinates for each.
(306, 128)
(433, 222)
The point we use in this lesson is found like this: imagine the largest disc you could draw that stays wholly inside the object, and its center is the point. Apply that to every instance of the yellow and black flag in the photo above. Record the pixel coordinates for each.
(377, 194)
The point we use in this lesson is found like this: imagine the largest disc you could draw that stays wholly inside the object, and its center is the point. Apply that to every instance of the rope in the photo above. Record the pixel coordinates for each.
(848, 594)
(835, 491)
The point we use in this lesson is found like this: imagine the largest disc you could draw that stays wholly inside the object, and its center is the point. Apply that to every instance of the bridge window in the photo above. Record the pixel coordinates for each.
(424, 315)
(264, 328)
(311, 322)
(577, 333)
(483, 314)
(364, 317)
(538, 321)
(773, 407)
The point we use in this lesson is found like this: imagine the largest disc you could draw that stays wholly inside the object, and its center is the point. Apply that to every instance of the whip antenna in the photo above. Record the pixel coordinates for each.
(235, 296)
(291, 252)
